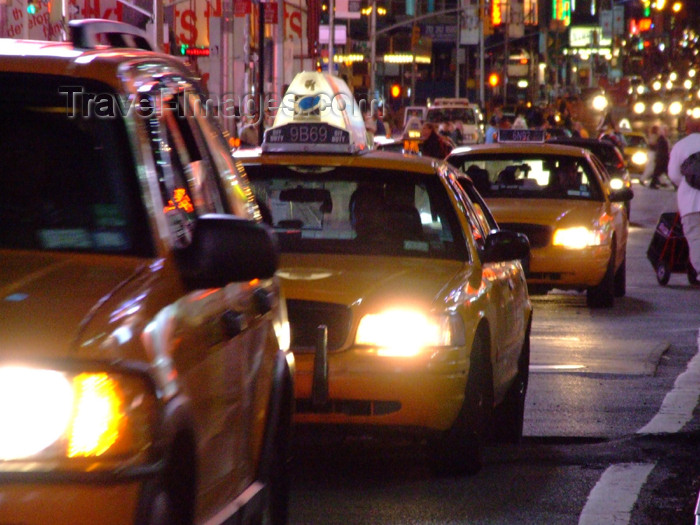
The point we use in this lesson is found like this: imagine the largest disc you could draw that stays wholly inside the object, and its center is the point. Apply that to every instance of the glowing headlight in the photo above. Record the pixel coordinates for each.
(639, 158)
(640, 90)
(657, 107)
(656, 86)
(695, 113)
(577, 238)
(404, 333)
(53, 415)
(616, 184)
(638, 107)
(599, 102)
(688, 84)
(675, 108)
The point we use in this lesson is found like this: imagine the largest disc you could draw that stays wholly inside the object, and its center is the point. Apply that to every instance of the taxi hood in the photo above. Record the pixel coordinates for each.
(553, 212)
(45, 297)
(372, 282)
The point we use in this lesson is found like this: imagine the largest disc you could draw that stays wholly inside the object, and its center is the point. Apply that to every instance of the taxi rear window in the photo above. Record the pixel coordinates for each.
(341, 210)
(68, 182)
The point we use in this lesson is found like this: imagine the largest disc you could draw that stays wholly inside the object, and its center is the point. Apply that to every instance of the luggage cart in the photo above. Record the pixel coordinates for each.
(668, 250)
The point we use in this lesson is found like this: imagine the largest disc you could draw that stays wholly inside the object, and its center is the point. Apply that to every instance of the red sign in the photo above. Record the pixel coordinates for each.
(271, 13)
(241, 7)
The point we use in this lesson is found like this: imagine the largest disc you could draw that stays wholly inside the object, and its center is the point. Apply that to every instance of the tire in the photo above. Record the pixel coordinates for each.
(458, 450)
(692, 275)
(603, 295)
(621, 279)
(663, 273)
(510, 414)
(168, 499)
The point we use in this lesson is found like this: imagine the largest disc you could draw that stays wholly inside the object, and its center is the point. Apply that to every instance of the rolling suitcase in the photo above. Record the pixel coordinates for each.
(668, 249)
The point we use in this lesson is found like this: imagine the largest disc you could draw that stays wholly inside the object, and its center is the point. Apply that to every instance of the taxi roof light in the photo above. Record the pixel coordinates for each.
(318, 113)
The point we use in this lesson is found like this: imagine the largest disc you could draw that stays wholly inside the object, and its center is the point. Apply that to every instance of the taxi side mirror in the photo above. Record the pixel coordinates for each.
(505, 245)
(226, 249)
(621, 195)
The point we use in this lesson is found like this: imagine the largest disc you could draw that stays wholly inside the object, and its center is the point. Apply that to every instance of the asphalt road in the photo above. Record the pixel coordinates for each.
(611, 425)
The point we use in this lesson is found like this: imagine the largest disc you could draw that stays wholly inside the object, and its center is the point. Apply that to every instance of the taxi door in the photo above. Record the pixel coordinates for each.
(221, 340)
(507, 289)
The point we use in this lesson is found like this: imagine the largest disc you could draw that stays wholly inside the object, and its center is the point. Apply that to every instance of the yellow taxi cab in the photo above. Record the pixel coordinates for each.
(408, 308)
(145, 375)
(636, 151)
(578, 231)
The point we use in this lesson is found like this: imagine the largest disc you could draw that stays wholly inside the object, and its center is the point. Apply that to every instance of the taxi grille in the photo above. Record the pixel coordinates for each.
(306, 316)
(539, 235)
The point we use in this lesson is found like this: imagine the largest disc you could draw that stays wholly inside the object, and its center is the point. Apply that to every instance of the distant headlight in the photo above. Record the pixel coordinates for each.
(404, 333)
(695, 113)
(51, 415)
(599, 102)
(675, 108)
(657, 107)
(639, 158)
(639, 108)
(577, 238)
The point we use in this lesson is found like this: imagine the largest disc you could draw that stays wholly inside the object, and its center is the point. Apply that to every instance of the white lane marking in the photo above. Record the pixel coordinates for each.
(679, 404)
(613, 497)
(538, 368)
(611, 500)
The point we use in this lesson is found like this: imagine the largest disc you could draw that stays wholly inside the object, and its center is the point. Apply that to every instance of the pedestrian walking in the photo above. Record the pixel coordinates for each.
(659, 145)
(688, 198)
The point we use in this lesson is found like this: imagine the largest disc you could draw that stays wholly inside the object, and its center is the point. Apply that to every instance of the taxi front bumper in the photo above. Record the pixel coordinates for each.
(425, 392)
(568, 268)
(69, 503)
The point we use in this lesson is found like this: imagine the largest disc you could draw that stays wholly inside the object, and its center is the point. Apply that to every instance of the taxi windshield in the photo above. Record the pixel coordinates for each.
(465, 115)
(529, 176)
(338, 210)
(68, 181)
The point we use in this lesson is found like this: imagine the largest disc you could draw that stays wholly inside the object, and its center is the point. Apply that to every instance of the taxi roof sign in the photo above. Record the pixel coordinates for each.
(318, 113)
(521, 135)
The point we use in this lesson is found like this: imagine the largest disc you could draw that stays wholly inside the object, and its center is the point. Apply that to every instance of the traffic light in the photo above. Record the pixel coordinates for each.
(415, 35)
(31, 7)
(395, 91)
(494, 80)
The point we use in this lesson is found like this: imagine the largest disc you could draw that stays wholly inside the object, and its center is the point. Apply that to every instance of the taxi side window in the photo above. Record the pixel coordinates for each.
(477, 221)
(210, 138)
(167, 146)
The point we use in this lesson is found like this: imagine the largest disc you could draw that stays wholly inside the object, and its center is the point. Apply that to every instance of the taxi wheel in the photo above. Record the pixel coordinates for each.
(510, 414)
(621, 279)
(459, 449)
(663, 273)
(603, 295)
(168, 499)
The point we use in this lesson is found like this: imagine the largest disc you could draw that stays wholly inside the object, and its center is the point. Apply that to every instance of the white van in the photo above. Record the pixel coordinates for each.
(462, 113)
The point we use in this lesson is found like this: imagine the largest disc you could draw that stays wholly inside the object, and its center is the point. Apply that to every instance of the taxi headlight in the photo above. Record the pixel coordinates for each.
(599, 102)
(657, 107)
(675, 108)
(639, 108)
(405, 333)
(639, 158)
(577, 238)
(617, 183)
(52, 415)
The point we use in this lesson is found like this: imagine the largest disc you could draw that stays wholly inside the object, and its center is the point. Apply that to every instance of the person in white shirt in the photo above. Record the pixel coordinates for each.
(688, 197)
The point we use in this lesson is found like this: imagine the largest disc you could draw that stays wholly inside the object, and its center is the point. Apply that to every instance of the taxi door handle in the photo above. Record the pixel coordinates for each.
(232, 323)
(263, 298)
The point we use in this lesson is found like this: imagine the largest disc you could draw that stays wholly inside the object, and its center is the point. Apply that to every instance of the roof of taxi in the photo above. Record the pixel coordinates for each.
(522, 147)
(62, 58)
(388, 160)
